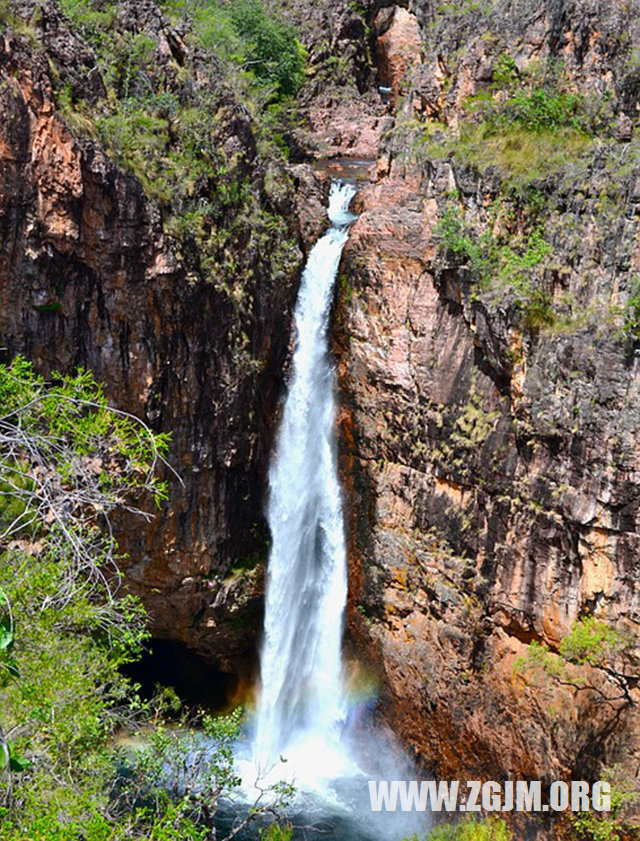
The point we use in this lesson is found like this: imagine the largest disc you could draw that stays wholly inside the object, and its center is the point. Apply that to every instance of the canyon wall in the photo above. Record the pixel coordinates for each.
(490, 422)
(486, 329)
(89, 277)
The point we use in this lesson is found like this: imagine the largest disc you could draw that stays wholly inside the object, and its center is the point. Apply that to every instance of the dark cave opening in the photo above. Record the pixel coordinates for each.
(196, 681)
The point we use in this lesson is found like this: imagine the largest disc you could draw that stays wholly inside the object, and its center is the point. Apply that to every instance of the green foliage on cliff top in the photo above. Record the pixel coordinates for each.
(522, 158)
(201, 129)
(525, 125)
(246, 33)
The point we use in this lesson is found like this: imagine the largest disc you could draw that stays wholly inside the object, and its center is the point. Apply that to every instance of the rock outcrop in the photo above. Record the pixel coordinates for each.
(89, 277)
(490, 459)
(492, 485)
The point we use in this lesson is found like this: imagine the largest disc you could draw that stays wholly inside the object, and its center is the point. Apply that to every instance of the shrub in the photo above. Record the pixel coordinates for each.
(631, 312)
(505, 72)
(489, 829)
(538, 110)
(91, 19)
(617, 824)
(273, 52)
(68, 461)
(499, 263)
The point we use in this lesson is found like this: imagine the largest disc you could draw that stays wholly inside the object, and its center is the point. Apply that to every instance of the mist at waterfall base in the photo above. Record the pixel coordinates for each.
(306, 714)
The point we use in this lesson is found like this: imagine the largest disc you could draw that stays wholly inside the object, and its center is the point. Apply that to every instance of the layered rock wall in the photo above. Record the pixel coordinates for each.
(89, 278)
(491, 461)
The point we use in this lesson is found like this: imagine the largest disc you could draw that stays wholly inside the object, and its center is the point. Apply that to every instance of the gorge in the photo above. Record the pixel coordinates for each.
(304, 729)
(157, 206)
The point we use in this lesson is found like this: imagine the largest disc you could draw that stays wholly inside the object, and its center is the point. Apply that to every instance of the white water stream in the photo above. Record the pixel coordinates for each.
(329, 745)
(302, 700)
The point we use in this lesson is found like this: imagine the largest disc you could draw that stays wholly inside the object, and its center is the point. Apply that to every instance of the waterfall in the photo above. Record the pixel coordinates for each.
(302, 696)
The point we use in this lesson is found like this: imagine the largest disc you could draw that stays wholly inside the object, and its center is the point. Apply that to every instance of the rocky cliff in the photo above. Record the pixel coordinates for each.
(486, 329)
(95, 273)
(487, 344)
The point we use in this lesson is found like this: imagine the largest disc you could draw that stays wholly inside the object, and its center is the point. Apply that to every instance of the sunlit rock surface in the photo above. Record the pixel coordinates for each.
(89, 278)
(491, 472)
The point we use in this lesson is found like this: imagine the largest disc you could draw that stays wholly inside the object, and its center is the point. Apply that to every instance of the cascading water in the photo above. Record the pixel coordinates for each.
(301, 705)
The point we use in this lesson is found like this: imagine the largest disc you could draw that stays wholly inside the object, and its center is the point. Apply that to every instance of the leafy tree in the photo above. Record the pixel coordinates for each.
(68, 461)
(245, 32)
(596, 661)
(590, 644)
(273, 52)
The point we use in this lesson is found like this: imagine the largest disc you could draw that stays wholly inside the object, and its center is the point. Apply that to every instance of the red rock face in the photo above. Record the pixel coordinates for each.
(399, 47)
(476, 527)
(87, 278)
(491, 472)
(473, 528)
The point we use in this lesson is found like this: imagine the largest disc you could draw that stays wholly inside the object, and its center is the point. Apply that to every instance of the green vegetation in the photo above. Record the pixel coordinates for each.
(271, 49)
(90, 18)
(539, 99)
(505, 72)
(245, 33)
(538, 110)
(501, 262)
(614, 825)
(474, 424)
(202, 130)
(489, 829)
(539, 148)
(67, 463)
(631, 313)
(596, 662)
(8, 17)
(521, 157)
(590, 645)
(526, 125)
